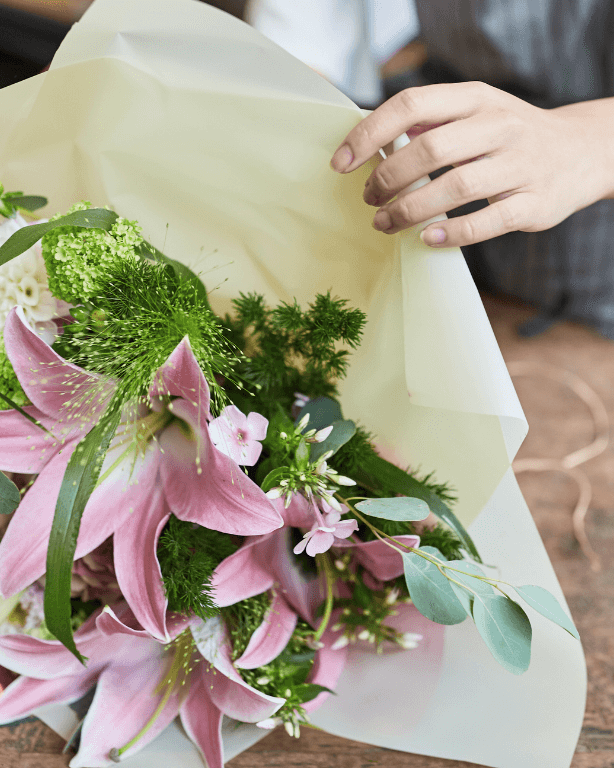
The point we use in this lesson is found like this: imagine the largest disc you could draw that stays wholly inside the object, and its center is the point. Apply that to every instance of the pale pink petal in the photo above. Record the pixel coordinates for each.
(120, 621)
(379, 558)
(59, 389)
(250, 453)
(234, 417)
(202, 721)
(304, 593)
(326, 670)
(271, 637)
(23, 549)
(320, 541)
(221, 497)
(300, 547)
(298, 514)
(181, 376)
(136, 564)
(227, 689)
(241, 575)
(345, 528)
(123, 704)
(24, 447)
(26, 694)
(257, 425)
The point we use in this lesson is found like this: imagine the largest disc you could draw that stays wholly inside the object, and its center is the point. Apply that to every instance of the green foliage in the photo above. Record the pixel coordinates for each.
(506, 630)
(351, 456)
(286, 677)
(543, 602)
(188, 554)
(9, 383)
(78, 259)
(430, 590)
(243, 619)
(11, 202)
(9, 495)
(293, 349)
(78, 483)
(142, 305)
(398, 508)
(443, 539)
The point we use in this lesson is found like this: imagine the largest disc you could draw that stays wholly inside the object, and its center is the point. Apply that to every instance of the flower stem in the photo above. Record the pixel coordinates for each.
(324, 561)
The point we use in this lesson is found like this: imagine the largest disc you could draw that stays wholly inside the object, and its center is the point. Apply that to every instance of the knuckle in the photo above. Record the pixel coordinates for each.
(467, 231)
(465, 185)
(407, 100)
(404, 212)
(510, 217)
(384, 177)
(433, 148)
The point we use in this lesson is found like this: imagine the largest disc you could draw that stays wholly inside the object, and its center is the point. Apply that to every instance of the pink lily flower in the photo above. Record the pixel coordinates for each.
(238, 436)
(165, 460)
(141, 686)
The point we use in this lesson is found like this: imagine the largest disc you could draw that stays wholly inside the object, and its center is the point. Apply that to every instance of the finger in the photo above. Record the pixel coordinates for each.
(479, 180)
(509, 215)
(450, 144)
(426, 104)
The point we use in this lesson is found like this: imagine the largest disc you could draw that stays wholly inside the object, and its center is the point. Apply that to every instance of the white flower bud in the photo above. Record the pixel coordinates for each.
(364, 635)
(321, 435)
(409, 640)
(275, 493)
(340, 643)
(342, 480)
(269, 723)
(302, 423)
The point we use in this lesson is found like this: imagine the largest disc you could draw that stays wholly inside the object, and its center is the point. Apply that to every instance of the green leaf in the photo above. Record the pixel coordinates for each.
(24, 238)
(506, 630)
(182, 273)
(399, 508)
(28, 202)
(272, 479)
(308, 691)
(481, 587)
(377, 472)
(342, 432)
(79, 481)
(545, 603)
(323, 411)
(430, 590)
(9, 495)
(302, 454)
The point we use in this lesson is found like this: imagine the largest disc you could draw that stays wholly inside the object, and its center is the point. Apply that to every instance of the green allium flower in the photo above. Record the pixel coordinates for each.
(78, 259)
(9, 384)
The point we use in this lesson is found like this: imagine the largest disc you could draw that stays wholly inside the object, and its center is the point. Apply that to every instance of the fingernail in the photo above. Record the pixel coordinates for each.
(342, 159)
(433, 236)
(382, 221)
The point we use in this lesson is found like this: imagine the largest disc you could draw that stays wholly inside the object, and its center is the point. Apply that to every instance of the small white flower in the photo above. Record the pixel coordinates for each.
(340, 643)
(409, 640)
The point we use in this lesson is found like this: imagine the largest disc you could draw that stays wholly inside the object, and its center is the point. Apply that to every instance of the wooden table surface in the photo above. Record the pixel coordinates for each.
(559, 424)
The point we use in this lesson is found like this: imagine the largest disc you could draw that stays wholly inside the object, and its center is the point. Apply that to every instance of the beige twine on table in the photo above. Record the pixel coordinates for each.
(570, 464)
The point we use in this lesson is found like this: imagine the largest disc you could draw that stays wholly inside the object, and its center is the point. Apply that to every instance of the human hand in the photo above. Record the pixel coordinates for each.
(534, 166)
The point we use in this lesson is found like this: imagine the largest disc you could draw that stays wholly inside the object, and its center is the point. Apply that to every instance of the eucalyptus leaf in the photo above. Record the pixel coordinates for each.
(9, 495)
(26, 237)
(308, 691)
(430, 590)
(323, 411)
(506, 630)
(480, 587)
(28, 202)
(376, 472)
(342, 432)
(399, 508)
(545, 603)
(78, 483)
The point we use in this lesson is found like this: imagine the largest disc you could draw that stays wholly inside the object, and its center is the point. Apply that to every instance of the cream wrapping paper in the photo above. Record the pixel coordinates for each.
(218, 142)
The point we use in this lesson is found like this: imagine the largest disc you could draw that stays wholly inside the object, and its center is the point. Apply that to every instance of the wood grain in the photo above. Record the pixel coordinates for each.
(559, 423)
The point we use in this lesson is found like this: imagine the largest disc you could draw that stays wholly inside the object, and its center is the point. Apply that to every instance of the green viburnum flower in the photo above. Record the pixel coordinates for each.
(9, 384)
(78, 259)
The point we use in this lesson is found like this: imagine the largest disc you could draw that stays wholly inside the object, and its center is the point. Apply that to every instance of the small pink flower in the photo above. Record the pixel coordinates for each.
(238, 436)
(322, 537)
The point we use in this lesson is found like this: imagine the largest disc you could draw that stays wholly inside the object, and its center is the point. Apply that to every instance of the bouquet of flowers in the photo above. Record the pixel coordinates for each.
(211, 511)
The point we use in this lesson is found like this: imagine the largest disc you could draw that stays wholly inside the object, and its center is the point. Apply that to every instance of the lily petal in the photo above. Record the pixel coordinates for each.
(271, 637)
(327, 670)
(378, 558)
(24, 447)
(136, 565)
(298, 514)
(202, 721)
(181, 376)
(123, 704)
(26, 694)
(241, 575)
(59, 389)
(203, 486)
(227, 689)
